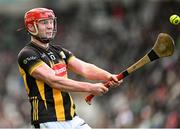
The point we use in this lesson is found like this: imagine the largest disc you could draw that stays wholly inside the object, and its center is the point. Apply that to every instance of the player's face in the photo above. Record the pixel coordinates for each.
(45, 28)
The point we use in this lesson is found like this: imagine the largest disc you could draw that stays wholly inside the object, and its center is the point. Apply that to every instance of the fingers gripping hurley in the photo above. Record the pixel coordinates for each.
(163, 47)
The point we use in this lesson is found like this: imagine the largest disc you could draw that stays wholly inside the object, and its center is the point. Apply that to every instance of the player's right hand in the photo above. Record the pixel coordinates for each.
(98, 89)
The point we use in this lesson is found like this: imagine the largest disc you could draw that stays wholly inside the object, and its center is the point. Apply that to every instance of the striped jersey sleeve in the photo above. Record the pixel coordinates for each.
(28, 60)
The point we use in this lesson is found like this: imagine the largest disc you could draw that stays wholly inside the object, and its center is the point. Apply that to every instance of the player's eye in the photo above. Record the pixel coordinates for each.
(49, 21)
(43, 22)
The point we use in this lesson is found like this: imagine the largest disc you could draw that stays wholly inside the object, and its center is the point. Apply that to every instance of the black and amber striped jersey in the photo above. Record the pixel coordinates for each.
(47, 104)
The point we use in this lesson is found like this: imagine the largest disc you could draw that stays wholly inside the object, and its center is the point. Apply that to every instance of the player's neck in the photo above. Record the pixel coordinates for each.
(40, 44)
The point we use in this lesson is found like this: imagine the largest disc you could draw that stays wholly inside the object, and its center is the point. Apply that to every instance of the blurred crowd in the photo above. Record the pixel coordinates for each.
(111, 34)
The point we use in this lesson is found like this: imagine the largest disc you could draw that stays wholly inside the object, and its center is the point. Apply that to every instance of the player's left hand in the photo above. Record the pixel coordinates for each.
(113, 81)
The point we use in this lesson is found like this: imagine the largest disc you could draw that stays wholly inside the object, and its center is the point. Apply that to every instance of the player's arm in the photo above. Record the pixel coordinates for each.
(90, 71)
(46, 74)
(30, 62)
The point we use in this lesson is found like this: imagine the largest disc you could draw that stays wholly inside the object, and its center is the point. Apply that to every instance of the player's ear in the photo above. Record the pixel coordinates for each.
(31, 28)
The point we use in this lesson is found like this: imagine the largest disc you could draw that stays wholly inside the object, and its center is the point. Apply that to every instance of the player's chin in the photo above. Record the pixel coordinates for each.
(49, 35)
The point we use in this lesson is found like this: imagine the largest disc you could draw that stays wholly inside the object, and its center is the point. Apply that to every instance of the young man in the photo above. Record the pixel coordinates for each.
(43, 67)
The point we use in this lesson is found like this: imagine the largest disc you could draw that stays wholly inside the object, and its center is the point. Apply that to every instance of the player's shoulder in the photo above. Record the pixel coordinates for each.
(26, 50)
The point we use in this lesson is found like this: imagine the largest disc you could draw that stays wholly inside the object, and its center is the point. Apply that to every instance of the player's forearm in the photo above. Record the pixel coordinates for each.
(66, 84)
(93, 72)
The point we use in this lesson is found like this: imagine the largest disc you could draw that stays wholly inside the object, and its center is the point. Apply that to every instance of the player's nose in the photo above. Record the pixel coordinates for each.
(49, 25)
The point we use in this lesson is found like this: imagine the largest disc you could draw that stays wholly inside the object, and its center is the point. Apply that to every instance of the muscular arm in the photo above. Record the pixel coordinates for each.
(46, 74)
(88, 70)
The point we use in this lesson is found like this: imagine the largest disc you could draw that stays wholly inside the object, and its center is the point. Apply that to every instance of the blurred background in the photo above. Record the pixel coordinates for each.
(112, 34)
